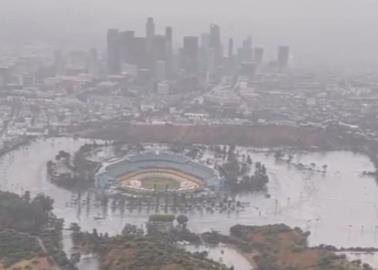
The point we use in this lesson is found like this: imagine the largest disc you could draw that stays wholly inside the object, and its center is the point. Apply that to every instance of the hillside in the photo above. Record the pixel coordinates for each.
(30, 235)
(148, 253)
(21, 214)
(278, 247)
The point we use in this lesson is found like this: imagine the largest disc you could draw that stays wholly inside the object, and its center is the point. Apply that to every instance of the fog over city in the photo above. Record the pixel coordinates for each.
(333, 33)
(182, 135)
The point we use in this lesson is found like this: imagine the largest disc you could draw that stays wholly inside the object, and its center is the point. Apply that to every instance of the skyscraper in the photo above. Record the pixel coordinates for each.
(139, 52)
(158, 53)
(204, 52)
(127, 39)
(230, 48)
(114, 51)
(169, 39)
(215, 42)
(246, 52)
(283, 57)
(160, 70)
(169, 50)
(215, 39)
(158, 49)
(211, 65)
(150, 33)
(190, 54)
(258, 55)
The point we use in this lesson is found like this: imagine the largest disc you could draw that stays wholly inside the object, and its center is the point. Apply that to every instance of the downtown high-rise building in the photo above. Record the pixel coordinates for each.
(139, 52)
(204, 52)
(258, 55)
(190, 54)
(150, 33)
(169, 50)
(160, 70)
(126, 43)
(215, 42)
(114, 51)
(158, 48)
(283, 57)
(158, 56)
(230, 48)
(246, 51)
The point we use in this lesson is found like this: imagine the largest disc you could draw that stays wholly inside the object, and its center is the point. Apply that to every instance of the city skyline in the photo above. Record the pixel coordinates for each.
(204, 53)
(320, 31)
(201, 134)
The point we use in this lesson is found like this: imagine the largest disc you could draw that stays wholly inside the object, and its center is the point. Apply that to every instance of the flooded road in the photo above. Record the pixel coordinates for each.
(223, 254)
(339, 207)
(369, 258)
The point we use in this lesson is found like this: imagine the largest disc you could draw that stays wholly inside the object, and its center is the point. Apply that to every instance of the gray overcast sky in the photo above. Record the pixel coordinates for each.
(327, 31)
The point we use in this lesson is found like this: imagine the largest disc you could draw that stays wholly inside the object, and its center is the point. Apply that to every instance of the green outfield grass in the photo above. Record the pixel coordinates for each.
(161, 183)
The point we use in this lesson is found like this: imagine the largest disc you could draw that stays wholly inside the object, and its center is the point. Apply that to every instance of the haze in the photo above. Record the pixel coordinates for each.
(188, 134)
(336, 32)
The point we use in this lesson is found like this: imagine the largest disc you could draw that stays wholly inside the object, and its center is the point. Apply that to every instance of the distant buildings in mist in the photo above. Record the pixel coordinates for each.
(152, 58)
(154, 54)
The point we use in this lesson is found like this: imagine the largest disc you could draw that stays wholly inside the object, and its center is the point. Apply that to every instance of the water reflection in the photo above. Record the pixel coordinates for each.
(88, 262)
(369, 258)
(339, 207)
(223, 254)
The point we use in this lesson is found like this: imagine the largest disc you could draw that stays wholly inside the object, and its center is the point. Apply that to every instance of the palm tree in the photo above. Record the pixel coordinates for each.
(325, 166)
(183, 221)
(74, 227)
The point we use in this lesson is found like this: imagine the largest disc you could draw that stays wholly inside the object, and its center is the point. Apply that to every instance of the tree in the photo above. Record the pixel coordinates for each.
(130, 229)
(183, 221)
(26, 197)
(75, 228)
(95, 233)
(249, 160)
(43, 202)
(231, 153)
(278, 154)
(325, 167)
(18, 214)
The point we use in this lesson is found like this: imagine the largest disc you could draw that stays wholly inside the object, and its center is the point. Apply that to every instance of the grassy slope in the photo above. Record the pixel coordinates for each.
(21, 251)
(147, 254)
(285, 248)
(36, 263)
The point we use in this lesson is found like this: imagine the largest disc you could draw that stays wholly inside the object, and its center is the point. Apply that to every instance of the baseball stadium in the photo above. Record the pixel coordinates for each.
(155, 172)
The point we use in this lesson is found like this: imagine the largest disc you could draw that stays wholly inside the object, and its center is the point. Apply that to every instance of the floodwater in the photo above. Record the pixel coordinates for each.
(369, 258)
(223, 254)
(339, 207)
